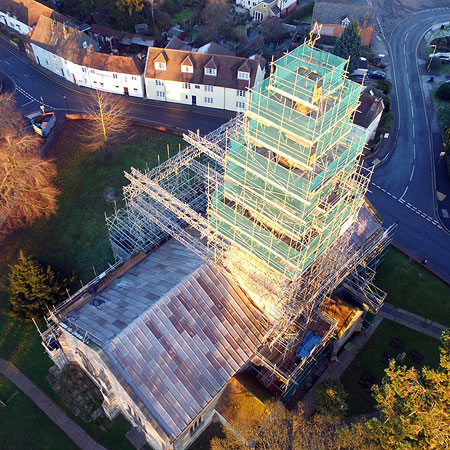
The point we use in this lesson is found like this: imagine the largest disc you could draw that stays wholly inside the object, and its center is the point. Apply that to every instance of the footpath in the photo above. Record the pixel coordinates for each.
(352, 348)
(49, 407)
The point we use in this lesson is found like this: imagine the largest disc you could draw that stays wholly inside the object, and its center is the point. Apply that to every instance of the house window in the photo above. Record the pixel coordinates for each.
(94, 82)
(197, 86)
(84, 69)
(92, 71)
(158, 82)
(115, 76)
(243, 75)
(258, 16)
(186, 85)
(135, 89)
(209, 71)
(101, 84)
(133, 78)
(186, 97)
(208, 100)
(117, 87)
(46, 62)
(160, 94)
(208, 89)
(187, 69)
(160, 66)
(241, 93)
(240, 105)
(195, 426)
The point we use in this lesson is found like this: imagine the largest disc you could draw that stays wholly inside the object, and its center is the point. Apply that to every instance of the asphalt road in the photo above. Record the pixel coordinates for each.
(403, 188)
(34, 87)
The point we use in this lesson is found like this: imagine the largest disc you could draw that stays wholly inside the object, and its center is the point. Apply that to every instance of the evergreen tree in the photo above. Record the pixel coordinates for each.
(349, 44)
(33, 288)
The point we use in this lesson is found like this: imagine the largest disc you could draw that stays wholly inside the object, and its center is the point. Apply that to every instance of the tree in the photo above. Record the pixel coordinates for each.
(215, 15)
(331, 398)
(272, 30)
(348, 44)
(443, 91)
(414, 407)
(26, 189)
(281, 429)
(107, 114)
(33, 288)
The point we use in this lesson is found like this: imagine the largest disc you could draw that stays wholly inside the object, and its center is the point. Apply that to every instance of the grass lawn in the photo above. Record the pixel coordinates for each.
(442, 108)
(74, 239)
(185, 14)
(369, 360)
(413, 288)
(24, 426)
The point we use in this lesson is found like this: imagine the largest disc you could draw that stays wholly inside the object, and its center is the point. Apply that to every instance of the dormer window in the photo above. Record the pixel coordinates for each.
(187, 66)
(161, 61)
(243, 75)
(345, 22)
(210, 71)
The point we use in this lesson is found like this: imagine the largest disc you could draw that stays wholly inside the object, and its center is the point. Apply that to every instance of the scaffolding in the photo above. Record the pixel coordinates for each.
(273, 197)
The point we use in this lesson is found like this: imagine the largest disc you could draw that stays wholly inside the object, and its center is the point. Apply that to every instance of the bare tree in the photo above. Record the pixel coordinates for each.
(11, 120)
(26, 189)
(107, 114)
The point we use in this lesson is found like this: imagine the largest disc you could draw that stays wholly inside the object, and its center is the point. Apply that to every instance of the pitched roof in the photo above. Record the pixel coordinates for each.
(177, 44)
(334, 13)
(211, 64)
(215, 49)
(369, 109)
(27, 11)
(71, 44)
(336, 30)
(227, 68)
(107, 32)
(188, 61)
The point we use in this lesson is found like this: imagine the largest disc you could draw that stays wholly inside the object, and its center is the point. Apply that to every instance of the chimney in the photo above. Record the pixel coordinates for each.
(89, 49)
(65, 31)
(53, 26)
(365, 21)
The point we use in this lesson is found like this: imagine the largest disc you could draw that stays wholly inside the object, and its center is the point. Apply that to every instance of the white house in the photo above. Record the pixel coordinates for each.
(203, 79)
(71, 54)
(23, 16)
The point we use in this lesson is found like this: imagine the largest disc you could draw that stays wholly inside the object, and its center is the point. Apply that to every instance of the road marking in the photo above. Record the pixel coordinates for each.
(31, 98)
(412, 111)
(7, 62)
(414, 131)
(409, 205)
(414, 152)
(410, 96)
(412, 173)
(27, 103)
(407, 34)
(404, 49)
(406, 189)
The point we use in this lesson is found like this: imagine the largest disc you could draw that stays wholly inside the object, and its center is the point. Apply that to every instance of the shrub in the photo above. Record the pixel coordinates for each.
(386, 123)
(300, 13)
(385, 86)
(443, 91)
(331, 398)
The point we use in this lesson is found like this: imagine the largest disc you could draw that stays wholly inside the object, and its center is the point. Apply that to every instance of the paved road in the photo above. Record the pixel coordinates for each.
(31, 84)
(403, 188)
(56, 414)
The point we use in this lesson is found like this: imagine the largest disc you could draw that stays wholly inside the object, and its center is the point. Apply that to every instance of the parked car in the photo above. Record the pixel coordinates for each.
(378, 74)
(357, 78)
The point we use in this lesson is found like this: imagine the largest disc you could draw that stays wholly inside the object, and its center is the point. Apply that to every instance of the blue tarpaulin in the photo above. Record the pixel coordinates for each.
(309, 342)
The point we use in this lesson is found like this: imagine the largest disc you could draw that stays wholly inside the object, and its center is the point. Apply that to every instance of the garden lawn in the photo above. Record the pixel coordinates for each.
(76, 238)
(413, 288)
(24, 426)
(369, 360)
(185, 14)
(203, 442)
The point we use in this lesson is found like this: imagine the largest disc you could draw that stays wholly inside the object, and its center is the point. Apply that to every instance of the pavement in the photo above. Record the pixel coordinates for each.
(54, 413)
(336, 368)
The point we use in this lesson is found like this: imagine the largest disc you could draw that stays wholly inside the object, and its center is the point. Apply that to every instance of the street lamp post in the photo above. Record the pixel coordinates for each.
(431, 57)
(67, 106)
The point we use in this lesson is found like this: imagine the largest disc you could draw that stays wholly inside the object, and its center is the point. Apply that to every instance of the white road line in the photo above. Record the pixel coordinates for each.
(414, 131)
(401, 198)
(407, 34)
(412, 112)
(27, 103)
(412, 173)
(7, 62)
(404, 49)
(414, 153)
(429, 220)
(410, 96)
